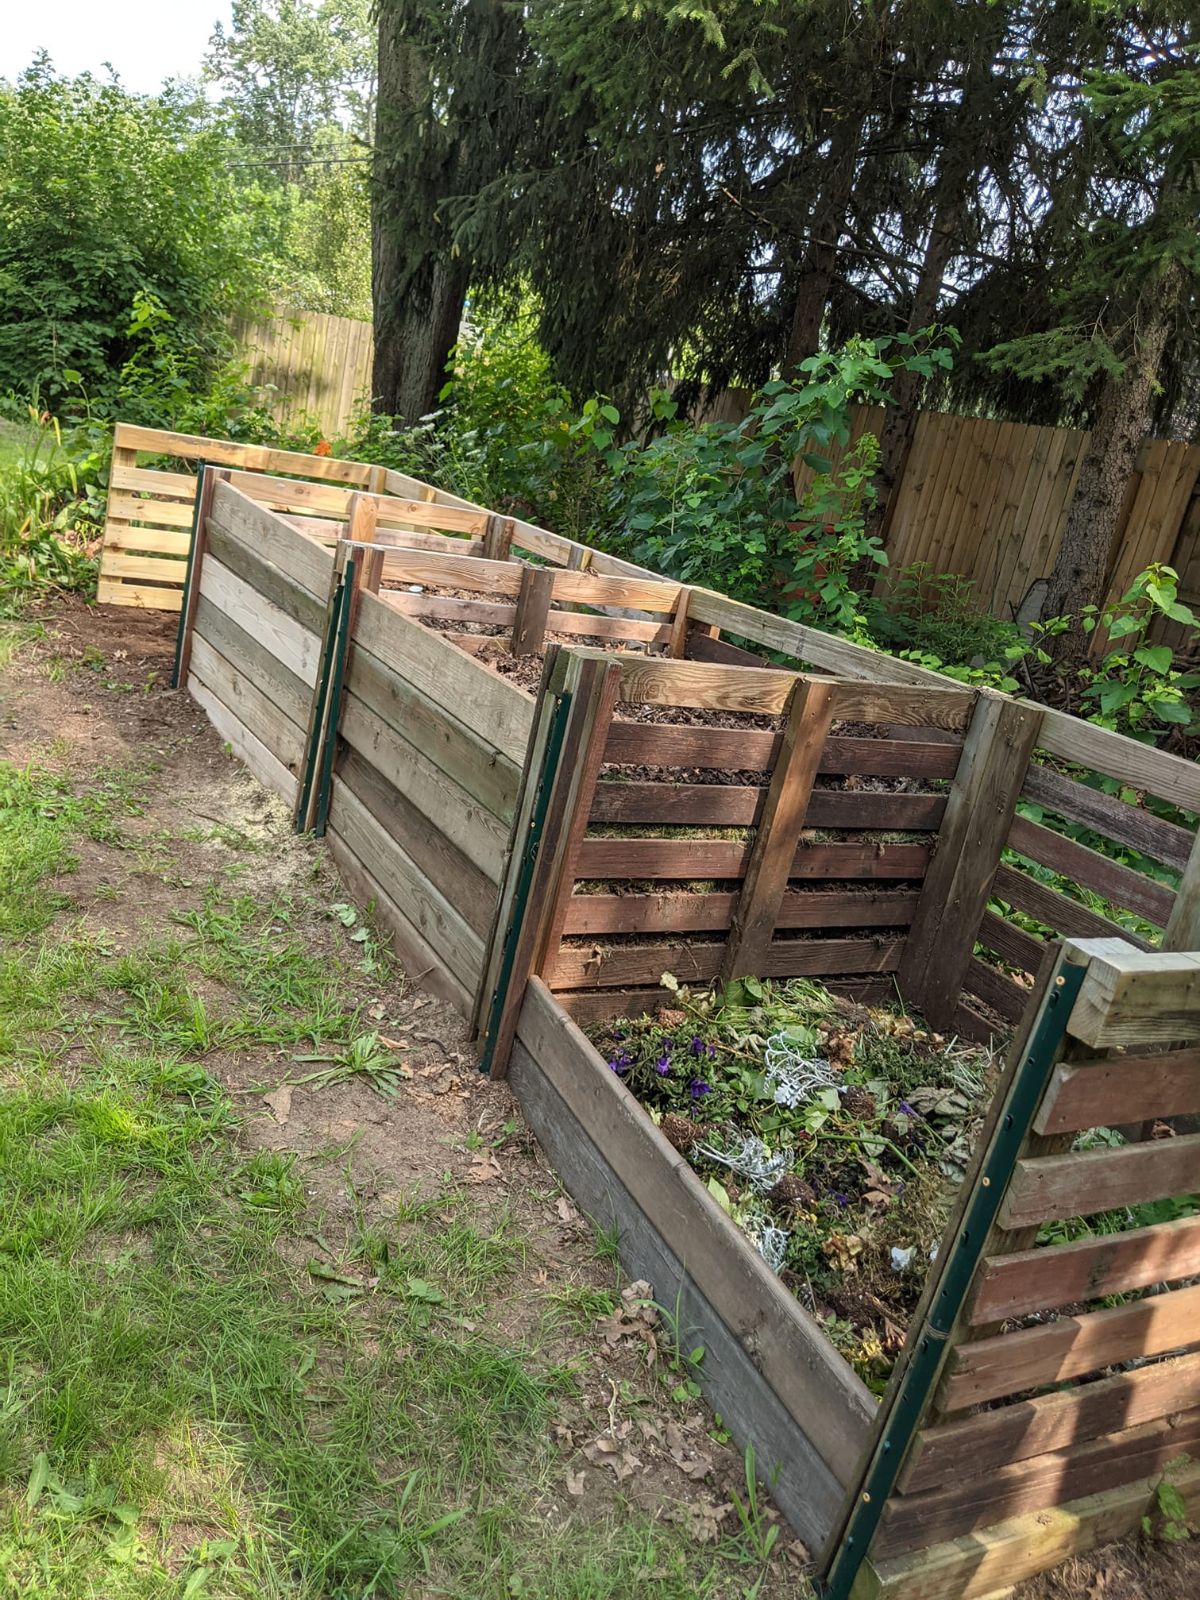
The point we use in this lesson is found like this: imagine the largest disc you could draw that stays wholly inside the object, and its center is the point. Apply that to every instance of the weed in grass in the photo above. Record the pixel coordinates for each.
(366, 1057)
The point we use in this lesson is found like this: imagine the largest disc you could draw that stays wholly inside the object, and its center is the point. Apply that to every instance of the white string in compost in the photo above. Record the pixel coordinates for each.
(792, 1078)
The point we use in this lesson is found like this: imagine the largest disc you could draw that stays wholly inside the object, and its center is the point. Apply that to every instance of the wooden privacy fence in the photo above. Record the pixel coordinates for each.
(989, 500)
(543, 857)
(318, 365)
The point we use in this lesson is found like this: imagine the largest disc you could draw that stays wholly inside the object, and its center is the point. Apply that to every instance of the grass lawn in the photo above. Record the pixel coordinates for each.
(230, 1370)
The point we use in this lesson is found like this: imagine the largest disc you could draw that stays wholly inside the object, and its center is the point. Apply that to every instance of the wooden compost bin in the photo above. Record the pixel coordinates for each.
(493, 829)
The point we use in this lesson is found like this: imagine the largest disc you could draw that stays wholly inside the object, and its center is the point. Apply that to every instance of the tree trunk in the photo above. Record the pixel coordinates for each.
(1122, 419)
(418, 285)
(826, 221)
(417, 318)
(901, 415)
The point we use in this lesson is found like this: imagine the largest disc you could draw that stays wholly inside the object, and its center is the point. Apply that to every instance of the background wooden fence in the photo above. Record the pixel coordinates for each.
(989, 500)
(319, 365)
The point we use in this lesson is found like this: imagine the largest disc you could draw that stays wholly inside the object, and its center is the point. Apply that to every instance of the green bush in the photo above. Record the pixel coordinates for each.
(108, 199)
(51, 512)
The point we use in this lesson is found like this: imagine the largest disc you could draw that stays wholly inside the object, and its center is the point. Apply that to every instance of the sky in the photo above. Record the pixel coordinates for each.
(147, 41)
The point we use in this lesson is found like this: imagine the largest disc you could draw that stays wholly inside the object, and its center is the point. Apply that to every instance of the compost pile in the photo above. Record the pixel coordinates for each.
(834, 1134)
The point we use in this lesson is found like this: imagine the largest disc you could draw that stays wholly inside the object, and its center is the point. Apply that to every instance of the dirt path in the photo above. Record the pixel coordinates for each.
(427, 1209)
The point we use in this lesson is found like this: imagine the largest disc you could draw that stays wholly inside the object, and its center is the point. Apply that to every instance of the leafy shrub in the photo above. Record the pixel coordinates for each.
(51, 510)
(716, 504)
(108, 196)
(936, 613)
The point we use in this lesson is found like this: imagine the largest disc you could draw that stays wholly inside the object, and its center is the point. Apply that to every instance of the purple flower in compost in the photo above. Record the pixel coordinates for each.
(697, 1047)
(620, 1062)
(663, 1065)
(843, 1200)
(907, 1110)
(696, 1088)
(712, 1050)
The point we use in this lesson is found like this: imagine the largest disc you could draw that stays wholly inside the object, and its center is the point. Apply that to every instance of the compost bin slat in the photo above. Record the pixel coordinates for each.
(1082, 1182)
(700, 859)
(295, 646)
(1118, 1092)
(1117, 884)
(735, 805)
(1114, 818)
(643, 913)
(619, 966)
(1086, 1269)
(752, 750)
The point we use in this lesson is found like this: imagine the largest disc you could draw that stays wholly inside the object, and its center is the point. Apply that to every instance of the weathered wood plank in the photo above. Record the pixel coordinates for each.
(159, 513)
(253, 708)
(1058, 911)
(741, 806)
(1032, 1358)
(124, 592)
(295, 646)
(125, 537)
(228, 453)
(1012, 1286)
(252, 658)
(786, 804)
(269, 536)
(265, 578)
(1134, 998)
(1119, 885)
(815, 1384)
(532, 610)
(151, 569)
(476, 697)
(978, 817)
(252, 753)
(1183, 925)
(445, 931)
(703, 859)
(1119, 1091)
(754, 750)
(1101, 1463)
(463, 754)
(983, 1565)
(1005, 997)
(1108, 815)
(1081, 1182)
(1011, 943)
(468, 824)
(421, 963)
(450, 871)
(980, 1444)
(667, 913)
(1139, 765)
(622, 966)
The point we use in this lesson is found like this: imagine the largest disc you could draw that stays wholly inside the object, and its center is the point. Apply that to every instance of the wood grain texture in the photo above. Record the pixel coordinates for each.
(532, 610)
(252, 753)
(996, 989)
(722, 805)
(263, 576)
(753, 750)
(1045, 1278)
(1131, 998)
(449, 870)
(250, 657)
(1102, 1463)
(1057, 911)
(450, 809)
(674, 913)
(1119, 885)
(785, 806)
(984, 1564)
(707, 859)
(254, 708)
(1081, 1182)
(462, 753)
(981, 1444)
(287, 640)
(1108, 815)
(421, 964)
(978, 817)
(1033, 1358)
(476, 697)
(1118, 1091)
(1183, 925)
(620, 966)
(296, 555)
(447, 933)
